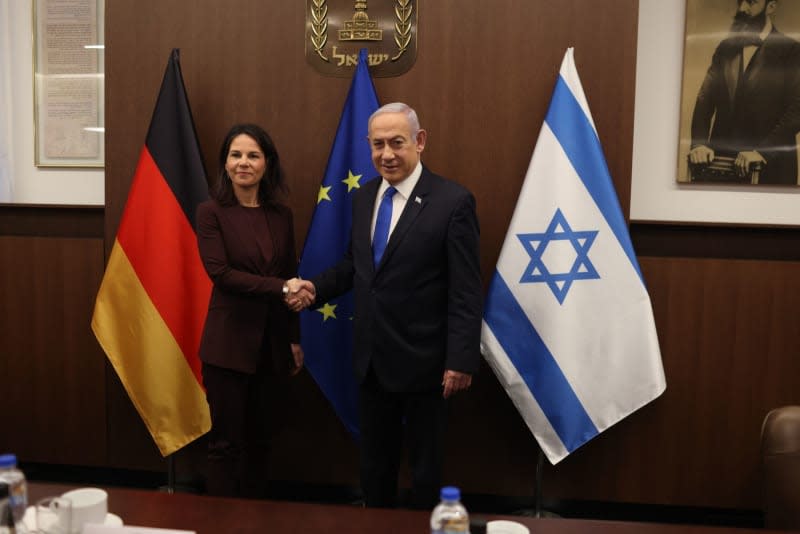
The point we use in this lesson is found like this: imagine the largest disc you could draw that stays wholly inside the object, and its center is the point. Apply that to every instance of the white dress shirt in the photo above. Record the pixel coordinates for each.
(399, 199)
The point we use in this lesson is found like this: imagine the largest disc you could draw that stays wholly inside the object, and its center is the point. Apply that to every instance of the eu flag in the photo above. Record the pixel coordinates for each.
(327, 331)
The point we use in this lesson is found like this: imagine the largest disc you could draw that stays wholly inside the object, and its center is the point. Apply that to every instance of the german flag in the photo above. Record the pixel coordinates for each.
(152, 302)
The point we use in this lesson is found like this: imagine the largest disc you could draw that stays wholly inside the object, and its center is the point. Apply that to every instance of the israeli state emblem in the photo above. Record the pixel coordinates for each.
(337, 29)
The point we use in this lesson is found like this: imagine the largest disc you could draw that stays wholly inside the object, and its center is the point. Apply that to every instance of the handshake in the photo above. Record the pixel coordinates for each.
(299, 294)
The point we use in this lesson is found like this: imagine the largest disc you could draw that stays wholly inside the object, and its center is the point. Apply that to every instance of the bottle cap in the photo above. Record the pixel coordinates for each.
(450, 493)
(8, 460)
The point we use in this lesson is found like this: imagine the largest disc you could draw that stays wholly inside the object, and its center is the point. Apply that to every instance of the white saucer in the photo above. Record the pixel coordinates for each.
(112, 520)
(29, 519)
(501, 526)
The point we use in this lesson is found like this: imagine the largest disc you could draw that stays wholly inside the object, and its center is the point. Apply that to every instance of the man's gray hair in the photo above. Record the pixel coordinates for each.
(399, 107)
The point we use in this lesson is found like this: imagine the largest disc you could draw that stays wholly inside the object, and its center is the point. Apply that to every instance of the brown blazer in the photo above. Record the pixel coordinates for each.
(246, 302)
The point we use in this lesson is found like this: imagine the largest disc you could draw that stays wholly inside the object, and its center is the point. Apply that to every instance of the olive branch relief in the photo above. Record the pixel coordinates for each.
(402, 28)
(319, 26)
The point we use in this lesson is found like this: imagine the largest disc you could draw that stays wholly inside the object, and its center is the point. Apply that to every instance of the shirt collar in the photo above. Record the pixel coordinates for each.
(767, 29)
(406, 186)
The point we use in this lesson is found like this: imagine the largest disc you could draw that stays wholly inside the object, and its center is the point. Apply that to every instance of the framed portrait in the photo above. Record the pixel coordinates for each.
(68, 83)
(740, 93)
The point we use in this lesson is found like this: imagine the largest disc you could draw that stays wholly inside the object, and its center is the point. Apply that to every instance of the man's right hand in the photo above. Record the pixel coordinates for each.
(701, 154)
(302, 294)
(745, 159)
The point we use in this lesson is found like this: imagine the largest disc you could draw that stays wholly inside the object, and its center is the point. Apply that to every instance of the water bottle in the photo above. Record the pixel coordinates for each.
(450, 516)
(17, 487)
(7, 524)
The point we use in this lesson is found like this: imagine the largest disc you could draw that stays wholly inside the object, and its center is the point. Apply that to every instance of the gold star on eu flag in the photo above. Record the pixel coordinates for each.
(352, 180)
(327, 311)
(323, 193)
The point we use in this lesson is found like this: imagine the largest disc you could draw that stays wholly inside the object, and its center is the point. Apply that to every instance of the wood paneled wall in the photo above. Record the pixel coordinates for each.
(51, 368)
(723, 297)
(481, 85)
(729, 352)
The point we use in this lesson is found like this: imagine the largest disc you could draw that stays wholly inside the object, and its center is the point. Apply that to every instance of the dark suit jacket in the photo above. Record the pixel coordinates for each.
(758, 111)
(246, 302)
(419, 312)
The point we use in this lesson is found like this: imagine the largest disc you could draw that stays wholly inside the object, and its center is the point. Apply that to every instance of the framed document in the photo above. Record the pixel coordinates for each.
(68, 83)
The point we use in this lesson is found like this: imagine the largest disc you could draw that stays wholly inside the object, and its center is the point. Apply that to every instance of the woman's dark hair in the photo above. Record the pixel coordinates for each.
(271, 185)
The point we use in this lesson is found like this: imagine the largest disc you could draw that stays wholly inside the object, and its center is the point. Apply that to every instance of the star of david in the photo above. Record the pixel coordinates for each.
(536, 244)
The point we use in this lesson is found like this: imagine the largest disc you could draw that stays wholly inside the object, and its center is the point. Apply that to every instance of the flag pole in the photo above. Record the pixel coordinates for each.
(538, 511)
(171, 473)
(537, 490)
(170, 487)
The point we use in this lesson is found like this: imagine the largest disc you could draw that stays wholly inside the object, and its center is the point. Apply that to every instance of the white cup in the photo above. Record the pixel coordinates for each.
(89, 505)
(506, 527)
(53, 515)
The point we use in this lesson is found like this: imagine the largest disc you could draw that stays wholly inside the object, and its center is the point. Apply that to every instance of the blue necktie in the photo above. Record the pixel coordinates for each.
(382, 224)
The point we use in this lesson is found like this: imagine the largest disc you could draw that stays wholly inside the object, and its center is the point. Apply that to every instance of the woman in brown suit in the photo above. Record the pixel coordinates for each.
(250, 341)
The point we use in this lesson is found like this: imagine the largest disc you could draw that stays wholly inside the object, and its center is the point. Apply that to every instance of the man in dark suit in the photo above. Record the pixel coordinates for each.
(752, 93)
(416, 276)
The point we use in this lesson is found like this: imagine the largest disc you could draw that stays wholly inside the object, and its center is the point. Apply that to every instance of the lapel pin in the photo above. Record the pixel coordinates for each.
(418, 200)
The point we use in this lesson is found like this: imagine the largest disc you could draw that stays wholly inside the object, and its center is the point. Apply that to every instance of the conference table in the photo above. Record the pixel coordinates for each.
(217, 515)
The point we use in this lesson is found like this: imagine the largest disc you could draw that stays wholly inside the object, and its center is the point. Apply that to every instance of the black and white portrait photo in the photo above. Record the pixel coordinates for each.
(740, 99)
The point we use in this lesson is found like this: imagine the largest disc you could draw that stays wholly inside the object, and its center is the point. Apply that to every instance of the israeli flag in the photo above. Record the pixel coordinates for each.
(568, 327)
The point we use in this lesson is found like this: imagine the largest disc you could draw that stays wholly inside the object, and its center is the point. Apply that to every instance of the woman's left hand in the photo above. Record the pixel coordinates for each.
(297, 355)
